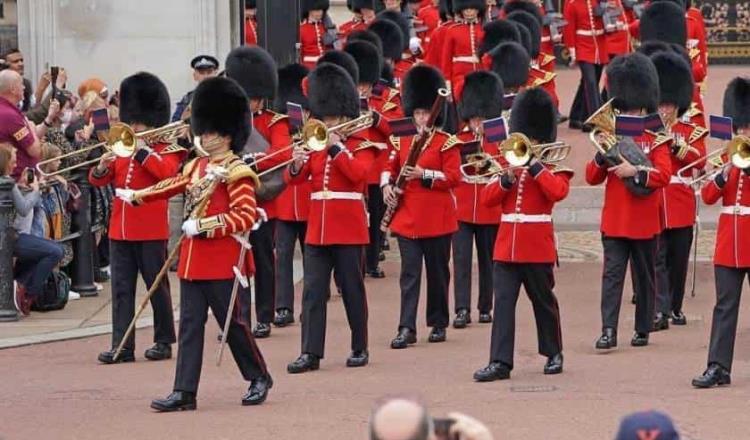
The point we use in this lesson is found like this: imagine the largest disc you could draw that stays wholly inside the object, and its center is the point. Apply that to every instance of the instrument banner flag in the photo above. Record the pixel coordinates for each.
(508, 101)
(296, 115)
(101, 119)
(654, 123)
(721, 127)
(631, 126)
(496, 130)
(403, 127)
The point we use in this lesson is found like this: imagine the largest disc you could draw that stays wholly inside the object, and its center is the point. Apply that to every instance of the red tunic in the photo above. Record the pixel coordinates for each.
(584, 33)
(733, 234)
(626, 215)
(460, 54)
(311, 43)
(251, 32)
(545, 80)
(151, 220)
(430, 17)
(618, 42)
(526, 233)
(677, 199)
(355, 24)
(434, 51)
(427, 212)
(388, 104)
(470, 208)
(274, 127)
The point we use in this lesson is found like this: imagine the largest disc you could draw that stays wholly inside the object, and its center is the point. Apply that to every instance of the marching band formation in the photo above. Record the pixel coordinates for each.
(437, 122)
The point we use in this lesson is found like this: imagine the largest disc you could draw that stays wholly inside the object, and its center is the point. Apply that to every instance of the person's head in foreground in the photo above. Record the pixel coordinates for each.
(647, 425)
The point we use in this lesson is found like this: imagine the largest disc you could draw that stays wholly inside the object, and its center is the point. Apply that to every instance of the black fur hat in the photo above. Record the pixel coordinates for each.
(664, 21)
(290, 87)
(651, 48)
(482, 96)
(368, 36)
(633, 83)
(446, 9)
(144, 99)
(534, 114)
(420, 88)
(737, 102)
(499, 31)
(368, 59)
(680, 3)
(402, 23)
(387, 75)
(342, 59)
(675, 80)
(532, 25)
(312, 5)
(460, 5)
(523, 5)
(250, 4)
(220, 106)
(358, 5)
(331, 92)
(254, 70)
(390, 37)
(525, 36)
(510, 62)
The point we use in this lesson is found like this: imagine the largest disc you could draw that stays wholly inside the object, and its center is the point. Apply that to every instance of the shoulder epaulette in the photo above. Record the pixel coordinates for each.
(392, 93)
(174, 148)
(190, 166)
(395, 141)
(277, 117)
(451, 142)
(546, 59)
(238, 169)
(559, 169)
(544, 79)
(368, 144)
(697, 133)
(660, 138)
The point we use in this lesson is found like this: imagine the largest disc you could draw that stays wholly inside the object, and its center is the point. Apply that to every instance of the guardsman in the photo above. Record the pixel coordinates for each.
(481, 99)
(428, 19)
(584, 37)
(392, 41)
(411, 44)
(337, 222)
(460, 46)
(254, 69)
(292, 205)
(678, 199)
(496, 32)
(732, 255)
(210, 254)
(525, 251)
(138, 235)
(619, 39)
(510, 62)
(251, 23)
(631, 223)
(435, 49)
(364, 14)
(315, 32)
(425, 219)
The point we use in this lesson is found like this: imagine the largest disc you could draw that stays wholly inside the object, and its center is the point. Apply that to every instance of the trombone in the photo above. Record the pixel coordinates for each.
(738, 151)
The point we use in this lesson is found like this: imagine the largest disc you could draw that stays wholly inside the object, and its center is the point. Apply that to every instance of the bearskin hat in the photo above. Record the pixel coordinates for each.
(420, 88)
(460, 5)
(664, 21)
(390, 37)
(250, 4)
(680, 3)
(368, 59)
(387, 75)
(532, 25)
(342, 59)
(358, 5)
(144, 99)
(525, 34)
(220, 106)
(651, 48)
(402, 23)
(523, 5)
(290, 87)
(534, 114)
(332, 92)
(445, 7)
(482, 96)
(368, 36)
(510, 62)
(675, 80)
(254, 70)
(499, 31)
(313, 5)
(633, 83)
(737, 102)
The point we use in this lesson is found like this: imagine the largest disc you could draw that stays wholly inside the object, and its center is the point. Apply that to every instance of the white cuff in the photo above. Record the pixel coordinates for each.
(433, 175)
(385, 178)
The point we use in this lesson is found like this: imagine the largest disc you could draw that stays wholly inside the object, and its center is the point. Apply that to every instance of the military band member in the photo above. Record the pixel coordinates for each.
(482, 99)
(678, 199)
(428, 19)
(364, 14)
(411, 44)
(209, 253)
(631, 223)
(460, 45)
(138, 235)
(525, 251)
(337, 222)
(732, 255)
(392, 41)
(435, 49)
(425, 218)
(496, 32)
(510, 62)
(316, 32)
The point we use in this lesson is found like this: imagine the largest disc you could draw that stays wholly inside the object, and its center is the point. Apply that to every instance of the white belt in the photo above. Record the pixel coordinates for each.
(469, 59)
(310, 59)
(736, 210)
(677, 180)
(526, 218)
(335, 195)
(589, 33)
(546, 39)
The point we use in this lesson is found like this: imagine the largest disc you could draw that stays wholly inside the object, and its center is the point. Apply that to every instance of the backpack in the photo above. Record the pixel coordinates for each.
(55, 294)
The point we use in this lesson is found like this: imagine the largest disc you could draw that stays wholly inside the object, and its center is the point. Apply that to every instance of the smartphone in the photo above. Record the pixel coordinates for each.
(443, 429)
(30, 176)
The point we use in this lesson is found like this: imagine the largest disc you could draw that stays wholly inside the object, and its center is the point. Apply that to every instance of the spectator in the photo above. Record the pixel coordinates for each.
(14, 127)
(204, 66)
(43, 86)
(14, 59)
(648, 425)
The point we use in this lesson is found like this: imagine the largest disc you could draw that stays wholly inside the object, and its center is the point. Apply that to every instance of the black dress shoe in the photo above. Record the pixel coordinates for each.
(463, 318)
(306, 362)
(258, 391)
(661, 322)
(678, 318)
(715, 375)
(262, 330)
(561, 118)
(404, 338)
(381, 256)
(607, 340)
(485, 318)
(219, 336)
(632, 299)
(639, 340)
(177, 401)
(358, 358)
(493, 371)
(159, 352)
(283, 318)
(101, 276)
(574, 125)
(437, 335)
(386, 245)
(554, 364)
(107, 357)
(376, 273)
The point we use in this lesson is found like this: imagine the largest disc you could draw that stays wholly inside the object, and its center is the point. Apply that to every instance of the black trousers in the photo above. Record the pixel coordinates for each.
(195, 299)
(538, 280)
(376, 209)
(724, 322)
(127, 259)
(642, 255)
(288, 233)
(265, 280)
(672, 262)
(463, 249)
(319, 262)
(436, 253)
(587, 99)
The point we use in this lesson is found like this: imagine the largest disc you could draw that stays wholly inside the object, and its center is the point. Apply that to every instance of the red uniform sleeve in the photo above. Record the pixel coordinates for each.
(241, 214)
(280, 142)
(451, 159)
(569, 31)
(302, 176)
(635, 29)
(712, 192)
(554, 186)
(104, 179)
(698, 150)
(595, 174)
(163, 166)
(493, 193)
(662, 163)
(355, 165)
(446, 55)
(163, 190)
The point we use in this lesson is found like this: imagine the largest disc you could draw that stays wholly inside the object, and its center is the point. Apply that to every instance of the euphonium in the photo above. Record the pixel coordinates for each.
(604, 120)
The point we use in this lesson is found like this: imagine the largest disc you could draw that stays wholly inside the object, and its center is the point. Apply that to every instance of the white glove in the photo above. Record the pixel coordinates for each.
(415, 44)
(262, 218)
(126, 195)
(190, 227)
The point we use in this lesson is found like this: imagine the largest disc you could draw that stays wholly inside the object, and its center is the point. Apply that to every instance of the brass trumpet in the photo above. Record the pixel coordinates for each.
(738, 151)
